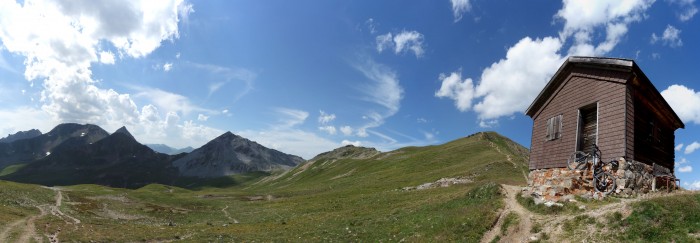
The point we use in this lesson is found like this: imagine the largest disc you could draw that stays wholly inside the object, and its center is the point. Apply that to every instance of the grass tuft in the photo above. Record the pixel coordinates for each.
(510, 220)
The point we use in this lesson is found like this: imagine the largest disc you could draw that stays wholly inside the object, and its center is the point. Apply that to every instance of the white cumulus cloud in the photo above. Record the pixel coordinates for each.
(692, 147)
(404, 41)
(106, 57)
(684, 101)
(670, 37)
(346, 130)
(62, 39)
(509, 85)
(582, 18)
(167, 66)
(679, 147)
(453, 87)
(353, 143)
(202, 117)
(685, 169)
(328, 129)
(325, 118)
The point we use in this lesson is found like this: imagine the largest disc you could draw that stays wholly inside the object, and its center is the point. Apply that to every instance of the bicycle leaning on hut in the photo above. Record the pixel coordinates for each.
(603, 179)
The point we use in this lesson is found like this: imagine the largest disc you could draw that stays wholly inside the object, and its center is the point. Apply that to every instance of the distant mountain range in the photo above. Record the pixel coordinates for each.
(87, 154)
(162, 148)
(20, 135)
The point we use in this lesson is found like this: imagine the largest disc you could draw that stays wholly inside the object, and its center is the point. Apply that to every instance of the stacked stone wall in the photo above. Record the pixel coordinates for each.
(561, 184)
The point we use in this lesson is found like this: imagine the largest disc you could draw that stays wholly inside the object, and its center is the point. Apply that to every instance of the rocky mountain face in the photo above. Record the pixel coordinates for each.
(78, 154)
(20, 135)
(162, 148)
(64, 135)
(117, 160)
(231, 154)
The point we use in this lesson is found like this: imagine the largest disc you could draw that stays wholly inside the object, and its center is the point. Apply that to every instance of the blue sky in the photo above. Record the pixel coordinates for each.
(305, 77)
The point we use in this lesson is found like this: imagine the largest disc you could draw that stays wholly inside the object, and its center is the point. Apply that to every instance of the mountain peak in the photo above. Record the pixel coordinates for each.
(227, 136)
(123, 130)
(231, 154)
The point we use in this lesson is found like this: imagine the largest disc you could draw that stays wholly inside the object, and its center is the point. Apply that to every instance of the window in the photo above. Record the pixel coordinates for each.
(655, 134)
(554, 126)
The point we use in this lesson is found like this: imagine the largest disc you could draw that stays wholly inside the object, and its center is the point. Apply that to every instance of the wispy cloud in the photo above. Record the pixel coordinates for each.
(228, 75)
(371, 25)
(290, 117)
(687, 9)
(695, 185)
(383, 90)
(459, 7)
(292, 141)
(4, 65)
(168, 101)
(671, 37)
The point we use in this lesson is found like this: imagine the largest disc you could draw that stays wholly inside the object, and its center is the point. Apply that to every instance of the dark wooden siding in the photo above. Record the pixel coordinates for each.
(654, 137)
(630, 123)
(583, 86)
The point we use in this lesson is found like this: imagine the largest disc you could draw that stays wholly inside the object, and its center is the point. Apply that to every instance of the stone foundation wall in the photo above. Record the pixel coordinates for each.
(555, 184)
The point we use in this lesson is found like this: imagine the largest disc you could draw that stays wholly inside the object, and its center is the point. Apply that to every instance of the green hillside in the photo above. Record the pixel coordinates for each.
(350, 194)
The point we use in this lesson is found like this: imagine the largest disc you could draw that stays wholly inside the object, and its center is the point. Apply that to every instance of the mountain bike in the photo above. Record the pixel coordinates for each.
(579, 159)
(603, 181)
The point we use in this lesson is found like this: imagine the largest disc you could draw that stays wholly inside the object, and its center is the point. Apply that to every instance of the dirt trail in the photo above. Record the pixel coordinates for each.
(517, 233)
(30, 228)
(508, 157)
(6, 231)
(227, 215)
(552, 225)
(27, 226)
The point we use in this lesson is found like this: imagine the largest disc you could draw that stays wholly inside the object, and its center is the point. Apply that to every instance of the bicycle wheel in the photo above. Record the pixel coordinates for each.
(577, 160)
(604, 182)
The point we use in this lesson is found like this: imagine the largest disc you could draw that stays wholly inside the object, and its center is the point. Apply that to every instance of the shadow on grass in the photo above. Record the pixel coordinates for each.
(196, 183)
